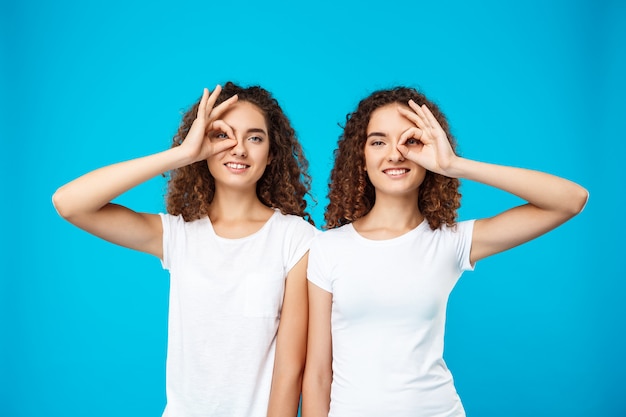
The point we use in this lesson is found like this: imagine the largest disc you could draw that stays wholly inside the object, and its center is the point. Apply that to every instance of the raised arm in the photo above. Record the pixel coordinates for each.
(290, 345)
(318, 372)
(85, 201)
(551, 200)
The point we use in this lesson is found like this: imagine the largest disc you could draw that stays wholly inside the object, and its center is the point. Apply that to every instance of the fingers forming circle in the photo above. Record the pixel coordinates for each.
(412, 133)
(221, 126)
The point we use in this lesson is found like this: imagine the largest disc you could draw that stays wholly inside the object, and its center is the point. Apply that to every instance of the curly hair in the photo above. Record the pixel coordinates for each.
(351, 195)
(284, 183)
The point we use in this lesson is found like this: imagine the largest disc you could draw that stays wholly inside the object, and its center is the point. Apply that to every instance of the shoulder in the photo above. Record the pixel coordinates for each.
(461, 227)
(332, 236)
(457, 237)
(293, 223)
(171, 218)
(177, 223)
(170, 221)
(446, 236)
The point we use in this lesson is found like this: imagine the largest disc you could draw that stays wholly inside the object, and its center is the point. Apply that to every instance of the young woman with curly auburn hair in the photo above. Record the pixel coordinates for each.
(380, 278)
(352, 194)
(236, 244)
(284, 183)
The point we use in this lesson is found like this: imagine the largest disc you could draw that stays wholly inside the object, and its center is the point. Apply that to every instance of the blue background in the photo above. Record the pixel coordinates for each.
(537, 331)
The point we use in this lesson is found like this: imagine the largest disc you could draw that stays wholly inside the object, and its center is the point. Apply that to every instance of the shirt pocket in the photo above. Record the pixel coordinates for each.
(264, 294)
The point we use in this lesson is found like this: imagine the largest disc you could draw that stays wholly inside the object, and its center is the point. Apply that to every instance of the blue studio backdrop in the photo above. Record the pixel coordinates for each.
(536, 331)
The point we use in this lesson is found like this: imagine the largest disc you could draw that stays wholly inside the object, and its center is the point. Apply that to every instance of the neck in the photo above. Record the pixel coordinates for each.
(229, 204)
(390, 216)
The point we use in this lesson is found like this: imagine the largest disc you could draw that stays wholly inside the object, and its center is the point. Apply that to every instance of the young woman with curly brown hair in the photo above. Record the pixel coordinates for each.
(235, 242)
(380, 278)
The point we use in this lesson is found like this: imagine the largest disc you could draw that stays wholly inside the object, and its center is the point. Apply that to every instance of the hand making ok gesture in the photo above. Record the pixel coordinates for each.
(433, 150)
(197, 143)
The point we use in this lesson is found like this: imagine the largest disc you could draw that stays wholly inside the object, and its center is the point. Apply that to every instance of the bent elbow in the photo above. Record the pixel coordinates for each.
(579, 201)
(60, 203)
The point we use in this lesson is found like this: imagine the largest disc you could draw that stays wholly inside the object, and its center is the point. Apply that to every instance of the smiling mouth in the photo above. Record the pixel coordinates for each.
(234, 165)
(396, 171)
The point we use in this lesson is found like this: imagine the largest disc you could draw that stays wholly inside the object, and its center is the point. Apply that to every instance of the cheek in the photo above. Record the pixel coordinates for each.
(266, 154)
(262, 158)
(369, 159)
(210, 163)
(370, 168)
(214, 161)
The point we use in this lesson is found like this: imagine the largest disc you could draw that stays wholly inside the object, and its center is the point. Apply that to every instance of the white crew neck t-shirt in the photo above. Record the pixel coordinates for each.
(225, 301)
(389, 301)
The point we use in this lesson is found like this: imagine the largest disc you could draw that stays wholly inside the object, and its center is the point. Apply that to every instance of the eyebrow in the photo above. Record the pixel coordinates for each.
(380, 134)
(257, 130)
(252, 130)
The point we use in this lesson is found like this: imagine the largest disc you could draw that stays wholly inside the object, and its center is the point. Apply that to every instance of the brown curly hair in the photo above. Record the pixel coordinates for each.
(351, 194)
(284, 183)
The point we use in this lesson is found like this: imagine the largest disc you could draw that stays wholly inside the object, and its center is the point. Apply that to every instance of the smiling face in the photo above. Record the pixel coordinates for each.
(244, 164)
(389, 172)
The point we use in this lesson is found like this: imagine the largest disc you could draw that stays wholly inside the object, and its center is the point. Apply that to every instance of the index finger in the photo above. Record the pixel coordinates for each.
(414, 133)
(220, 125)
(222, 107)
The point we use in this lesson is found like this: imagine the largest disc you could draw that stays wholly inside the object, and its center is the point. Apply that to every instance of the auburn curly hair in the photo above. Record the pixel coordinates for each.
(351, 195)
(284, 183)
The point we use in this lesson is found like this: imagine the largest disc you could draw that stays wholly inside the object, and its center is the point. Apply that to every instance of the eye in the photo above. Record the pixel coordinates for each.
(257, 139)
(377, 143)
(221, 135)
(412, 141)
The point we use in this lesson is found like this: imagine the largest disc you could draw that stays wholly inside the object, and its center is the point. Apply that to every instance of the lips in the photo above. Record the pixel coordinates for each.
(396, 171)
(235, 165)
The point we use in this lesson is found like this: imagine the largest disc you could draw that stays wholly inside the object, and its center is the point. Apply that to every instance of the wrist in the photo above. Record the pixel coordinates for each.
(455, 167)
(182, 156)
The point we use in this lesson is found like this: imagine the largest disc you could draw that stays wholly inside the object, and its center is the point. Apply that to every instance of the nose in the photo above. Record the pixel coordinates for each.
(239, 149)
(394, 154)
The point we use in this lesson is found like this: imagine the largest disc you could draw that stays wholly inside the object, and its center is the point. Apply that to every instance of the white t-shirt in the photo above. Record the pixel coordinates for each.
(389, 301)
(226, 297)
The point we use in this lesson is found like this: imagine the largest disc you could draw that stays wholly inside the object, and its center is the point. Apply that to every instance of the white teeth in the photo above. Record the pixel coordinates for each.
(395, 171)
(236, 166)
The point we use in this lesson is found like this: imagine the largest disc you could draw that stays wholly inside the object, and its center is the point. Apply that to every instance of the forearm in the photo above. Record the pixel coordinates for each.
(540, 189)
(315, 396)
(95, 189)
(318, 371)
(285, 394)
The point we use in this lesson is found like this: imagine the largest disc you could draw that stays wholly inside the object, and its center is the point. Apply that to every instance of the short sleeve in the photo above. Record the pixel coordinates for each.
(170, 225)
(465, 232)
(299, 239)
(317, 271)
